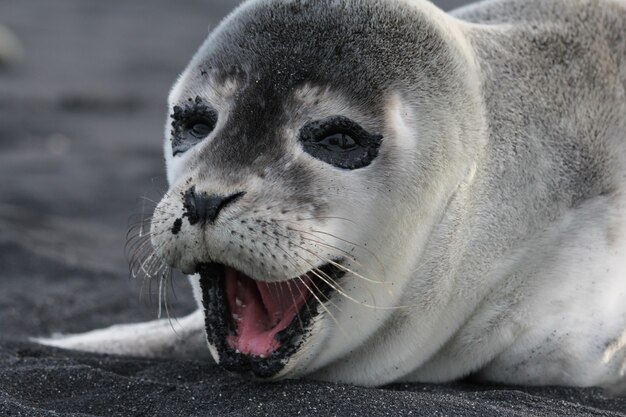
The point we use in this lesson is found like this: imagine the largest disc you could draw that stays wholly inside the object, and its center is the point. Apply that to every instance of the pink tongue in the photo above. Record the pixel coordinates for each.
(260, 310)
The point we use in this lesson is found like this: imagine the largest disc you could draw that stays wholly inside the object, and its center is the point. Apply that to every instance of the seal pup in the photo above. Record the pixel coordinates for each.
(374, 191)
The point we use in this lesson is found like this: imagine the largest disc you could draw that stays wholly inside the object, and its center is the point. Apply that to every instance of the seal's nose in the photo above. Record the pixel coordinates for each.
(203, 208)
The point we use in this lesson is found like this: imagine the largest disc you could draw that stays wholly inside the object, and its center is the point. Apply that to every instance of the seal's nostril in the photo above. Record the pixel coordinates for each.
(203, 208)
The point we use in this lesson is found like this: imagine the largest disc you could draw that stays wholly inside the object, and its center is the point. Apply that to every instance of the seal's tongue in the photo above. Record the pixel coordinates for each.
(260, 310)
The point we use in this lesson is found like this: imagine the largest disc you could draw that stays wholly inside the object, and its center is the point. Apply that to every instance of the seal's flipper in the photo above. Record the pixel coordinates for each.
(165, 338)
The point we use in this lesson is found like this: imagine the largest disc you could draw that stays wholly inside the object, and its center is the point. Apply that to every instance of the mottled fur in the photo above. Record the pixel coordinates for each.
(493, 215)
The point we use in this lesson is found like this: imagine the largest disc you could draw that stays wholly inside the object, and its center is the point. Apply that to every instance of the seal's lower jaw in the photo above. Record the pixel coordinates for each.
(254, 326)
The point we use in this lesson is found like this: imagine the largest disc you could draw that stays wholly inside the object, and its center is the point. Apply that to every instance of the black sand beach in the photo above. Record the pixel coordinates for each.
(81, 127)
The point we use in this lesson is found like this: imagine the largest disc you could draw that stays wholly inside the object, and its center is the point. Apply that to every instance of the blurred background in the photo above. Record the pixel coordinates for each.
(81, 130)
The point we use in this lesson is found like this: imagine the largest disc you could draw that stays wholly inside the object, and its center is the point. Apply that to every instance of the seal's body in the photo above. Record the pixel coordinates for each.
(374, 191)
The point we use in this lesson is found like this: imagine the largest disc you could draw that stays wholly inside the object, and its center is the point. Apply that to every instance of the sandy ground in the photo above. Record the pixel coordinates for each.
(81, 127)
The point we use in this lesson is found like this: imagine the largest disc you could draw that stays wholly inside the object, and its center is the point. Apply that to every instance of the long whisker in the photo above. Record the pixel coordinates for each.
(139, 247)
(316, 232)
(146, 198)
(293, 299)
(287, 253)
(165, 278)
(333, 284)
(346, 253)
(338, 265)
(295, 264)
(295, 208)
(328, 299)
(341, 266)
(160, 297)
(336, 287)
(332, 247)
(154, 265)
(138, 250)
(319, 218)
(332, 316)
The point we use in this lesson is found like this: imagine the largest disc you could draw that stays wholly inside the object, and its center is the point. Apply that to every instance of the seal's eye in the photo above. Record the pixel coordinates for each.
(337, 140)
(190, 125)
(340, 142)
(200, 130)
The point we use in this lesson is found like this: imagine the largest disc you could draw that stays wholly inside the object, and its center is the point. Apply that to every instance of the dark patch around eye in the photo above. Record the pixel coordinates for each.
(340, 142)
(191, 122)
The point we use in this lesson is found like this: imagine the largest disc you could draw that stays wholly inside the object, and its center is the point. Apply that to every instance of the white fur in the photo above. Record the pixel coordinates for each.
(445, 294)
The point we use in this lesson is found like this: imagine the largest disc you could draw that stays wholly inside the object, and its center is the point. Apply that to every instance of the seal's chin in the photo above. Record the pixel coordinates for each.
(256, 326)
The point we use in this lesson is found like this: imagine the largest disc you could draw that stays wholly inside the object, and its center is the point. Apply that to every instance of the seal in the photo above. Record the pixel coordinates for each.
(376, 191)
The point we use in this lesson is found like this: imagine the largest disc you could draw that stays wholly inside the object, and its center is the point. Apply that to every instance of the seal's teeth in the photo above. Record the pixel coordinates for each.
(236, 317)
(238, 302)
(262, 356)
(237, 351)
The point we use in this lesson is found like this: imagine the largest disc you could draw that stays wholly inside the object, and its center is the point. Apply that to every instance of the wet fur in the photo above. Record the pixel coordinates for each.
(494, 211)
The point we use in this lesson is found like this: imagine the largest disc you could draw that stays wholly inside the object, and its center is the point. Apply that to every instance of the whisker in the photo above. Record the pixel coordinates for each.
(315, 232)
(295, 264)
(136, 250)
(382, 267)
(328, 299)
(145, 198)
(293, 300)
(336, 287)
(319, 218)
(351, 257)
(164, 277)
(149, 262)
(338, 265)
(138, 247)
(295, 208)
(332, 316)
(160, 292)
(346, 253)
(333, 284)
(287, 253)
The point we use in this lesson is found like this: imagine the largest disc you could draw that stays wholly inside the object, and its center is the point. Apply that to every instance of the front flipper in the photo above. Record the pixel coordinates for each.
(165, 338)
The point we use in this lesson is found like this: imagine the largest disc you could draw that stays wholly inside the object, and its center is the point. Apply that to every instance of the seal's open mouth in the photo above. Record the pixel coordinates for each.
(255, 325)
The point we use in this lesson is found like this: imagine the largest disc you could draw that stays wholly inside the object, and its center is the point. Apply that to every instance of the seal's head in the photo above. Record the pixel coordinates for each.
(311, 146)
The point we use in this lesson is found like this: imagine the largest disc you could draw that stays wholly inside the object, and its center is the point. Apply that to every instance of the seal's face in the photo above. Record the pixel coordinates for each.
(297, 194)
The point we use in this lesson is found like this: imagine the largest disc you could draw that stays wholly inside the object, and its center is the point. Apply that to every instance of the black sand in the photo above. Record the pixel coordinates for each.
(81, 124)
